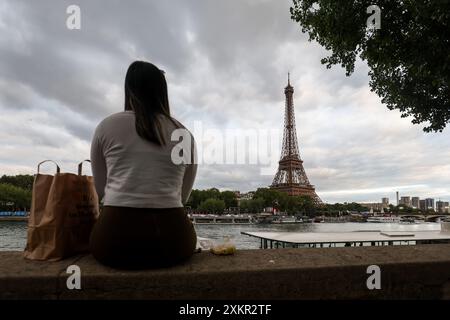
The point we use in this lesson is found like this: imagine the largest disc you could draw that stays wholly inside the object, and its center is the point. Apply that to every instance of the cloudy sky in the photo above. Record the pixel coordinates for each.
(226, 64)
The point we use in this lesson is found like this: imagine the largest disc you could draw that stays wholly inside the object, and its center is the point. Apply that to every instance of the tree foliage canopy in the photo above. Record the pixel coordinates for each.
(212, 205)
(255, 205)
(15, 192)
(24, 181)
(198, 196)
(408, 57)
(13, 198)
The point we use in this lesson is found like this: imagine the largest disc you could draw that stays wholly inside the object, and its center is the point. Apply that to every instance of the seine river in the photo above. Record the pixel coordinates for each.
(13, 234)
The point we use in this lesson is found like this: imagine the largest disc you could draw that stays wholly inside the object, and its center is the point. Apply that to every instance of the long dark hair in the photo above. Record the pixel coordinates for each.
(146, 94)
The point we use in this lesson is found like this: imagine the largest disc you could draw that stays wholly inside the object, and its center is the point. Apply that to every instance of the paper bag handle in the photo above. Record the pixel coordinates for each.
(80, 166)
(39, 164)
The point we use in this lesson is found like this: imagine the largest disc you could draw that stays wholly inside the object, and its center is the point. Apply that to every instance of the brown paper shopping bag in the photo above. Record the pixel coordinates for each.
(63, 211)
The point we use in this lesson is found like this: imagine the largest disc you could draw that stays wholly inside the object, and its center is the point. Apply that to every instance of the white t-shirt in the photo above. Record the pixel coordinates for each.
(130, 171)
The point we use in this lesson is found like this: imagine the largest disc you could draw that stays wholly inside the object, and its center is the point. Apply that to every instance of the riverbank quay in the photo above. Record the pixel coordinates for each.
(9, 216)
(406, 272)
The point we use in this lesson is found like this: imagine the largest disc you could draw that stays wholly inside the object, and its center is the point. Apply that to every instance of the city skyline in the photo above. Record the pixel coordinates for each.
(57, 84)
(390, 201)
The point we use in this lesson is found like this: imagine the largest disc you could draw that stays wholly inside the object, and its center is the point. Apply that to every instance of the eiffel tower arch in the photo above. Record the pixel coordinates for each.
(291, 176)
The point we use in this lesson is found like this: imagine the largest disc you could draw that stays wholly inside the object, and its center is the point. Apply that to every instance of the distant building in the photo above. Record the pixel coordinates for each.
(405, 201)
(429, 204)
(415, 202)
(246, 196)
(385, 201)
(422, 205)
(442, 206)
(375, 206)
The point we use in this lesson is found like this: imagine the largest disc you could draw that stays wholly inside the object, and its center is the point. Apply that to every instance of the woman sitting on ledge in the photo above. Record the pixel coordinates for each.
(143, 223)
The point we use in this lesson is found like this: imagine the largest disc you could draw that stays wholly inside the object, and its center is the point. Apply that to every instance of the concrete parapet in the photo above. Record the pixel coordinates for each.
(407, 272)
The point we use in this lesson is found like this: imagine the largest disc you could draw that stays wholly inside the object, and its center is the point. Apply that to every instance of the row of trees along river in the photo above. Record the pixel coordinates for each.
(217, 202)
(15, 194)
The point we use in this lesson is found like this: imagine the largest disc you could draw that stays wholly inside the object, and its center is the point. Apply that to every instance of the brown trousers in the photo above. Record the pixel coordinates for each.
(139, 238)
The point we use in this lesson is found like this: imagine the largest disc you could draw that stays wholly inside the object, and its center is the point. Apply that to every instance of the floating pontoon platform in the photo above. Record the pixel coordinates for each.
(348, 239)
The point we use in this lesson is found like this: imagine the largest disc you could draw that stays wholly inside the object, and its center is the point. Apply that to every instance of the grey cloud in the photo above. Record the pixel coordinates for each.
(226, 64)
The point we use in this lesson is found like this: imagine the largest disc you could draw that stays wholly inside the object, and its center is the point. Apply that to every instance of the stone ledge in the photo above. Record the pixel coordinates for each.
(407, 272)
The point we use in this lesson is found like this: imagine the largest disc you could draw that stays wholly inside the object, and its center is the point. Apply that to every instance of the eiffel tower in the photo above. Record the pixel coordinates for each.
(291, 177)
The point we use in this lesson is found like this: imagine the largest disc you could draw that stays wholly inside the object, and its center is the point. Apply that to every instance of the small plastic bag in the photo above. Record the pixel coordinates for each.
(204, 243)
(225, 248)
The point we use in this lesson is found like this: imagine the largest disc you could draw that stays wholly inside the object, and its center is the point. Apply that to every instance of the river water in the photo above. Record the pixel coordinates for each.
(13, 234)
